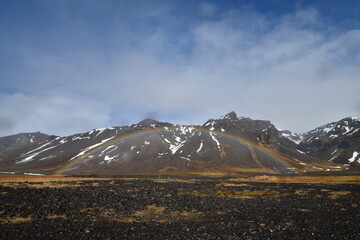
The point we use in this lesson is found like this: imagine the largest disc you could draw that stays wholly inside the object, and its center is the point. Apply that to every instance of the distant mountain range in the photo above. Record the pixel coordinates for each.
(229, 144)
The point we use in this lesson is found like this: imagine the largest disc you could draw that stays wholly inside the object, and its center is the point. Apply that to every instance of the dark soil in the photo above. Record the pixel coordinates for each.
(201, 208)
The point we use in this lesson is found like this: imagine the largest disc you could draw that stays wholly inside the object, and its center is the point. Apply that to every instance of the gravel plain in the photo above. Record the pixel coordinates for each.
(178, 208)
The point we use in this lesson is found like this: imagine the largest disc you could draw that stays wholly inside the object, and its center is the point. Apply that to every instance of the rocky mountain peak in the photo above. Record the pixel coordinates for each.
(336, 142)
(147, 122)
(231, 115)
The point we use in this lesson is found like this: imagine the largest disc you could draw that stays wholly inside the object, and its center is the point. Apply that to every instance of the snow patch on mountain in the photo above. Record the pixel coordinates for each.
(80, 137)
(91, 147)
(355, 131)
(99, 130)
(294, 137)
(111, 148)
(334, 152)
(107, 158)
(47, 157)
(200, 147)
(300, 151)
(32, 156)
(354, 156)
(175, 147)
(166, 140)
(215, 140)
(188, 159)
(42, 146)
(34, 174)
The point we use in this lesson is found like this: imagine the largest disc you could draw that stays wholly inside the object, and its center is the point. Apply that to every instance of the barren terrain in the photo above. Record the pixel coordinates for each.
(170, 207)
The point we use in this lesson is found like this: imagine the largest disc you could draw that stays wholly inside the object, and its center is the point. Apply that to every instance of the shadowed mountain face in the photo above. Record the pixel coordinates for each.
(230, 144)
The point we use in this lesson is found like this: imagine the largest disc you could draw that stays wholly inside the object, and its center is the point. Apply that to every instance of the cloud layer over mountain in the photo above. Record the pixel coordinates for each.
(70, 67)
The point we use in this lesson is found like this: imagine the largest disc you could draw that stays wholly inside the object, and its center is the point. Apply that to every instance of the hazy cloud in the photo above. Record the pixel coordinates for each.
(291, 69)
(51, 114)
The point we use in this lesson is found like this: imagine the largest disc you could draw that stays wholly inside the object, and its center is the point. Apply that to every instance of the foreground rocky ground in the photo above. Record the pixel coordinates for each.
(178, 208)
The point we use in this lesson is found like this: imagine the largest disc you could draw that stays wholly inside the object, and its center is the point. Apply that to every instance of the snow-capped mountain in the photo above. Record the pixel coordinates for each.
(229, 143)
(336, 142)
(294, 137)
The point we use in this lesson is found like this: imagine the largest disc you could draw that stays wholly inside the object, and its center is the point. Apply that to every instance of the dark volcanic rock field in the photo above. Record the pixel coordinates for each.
(178, 208)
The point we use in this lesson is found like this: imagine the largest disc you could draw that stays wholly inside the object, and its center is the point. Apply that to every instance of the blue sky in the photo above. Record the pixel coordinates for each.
(71, 66)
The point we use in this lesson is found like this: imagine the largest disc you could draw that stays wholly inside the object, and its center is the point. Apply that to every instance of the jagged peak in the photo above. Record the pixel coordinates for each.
(231, 115)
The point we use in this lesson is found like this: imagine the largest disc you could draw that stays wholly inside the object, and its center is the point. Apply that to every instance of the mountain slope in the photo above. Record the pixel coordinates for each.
(336, 142)
(228, 144)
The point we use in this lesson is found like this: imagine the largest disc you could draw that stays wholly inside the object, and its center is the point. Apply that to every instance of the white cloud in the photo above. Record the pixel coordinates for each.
(290, 70)
(51, 114)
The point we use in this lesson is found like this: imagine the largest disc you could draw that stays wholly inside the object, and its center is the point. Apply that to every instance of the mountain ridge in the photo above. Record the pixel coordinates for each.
(229, 142)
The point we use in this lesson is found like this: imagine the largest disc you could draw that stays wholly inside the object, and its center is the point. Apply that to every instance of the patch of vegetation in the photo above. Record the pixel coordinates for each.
(154, 213)
(151, 213)
(245, 193)
(16, 219)
(304, 210)
(51, 217)
(234, 194)
(302, 192)
(166, 180)
(352, 179)
(337, 194)
(226, 184)
(40, 184)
